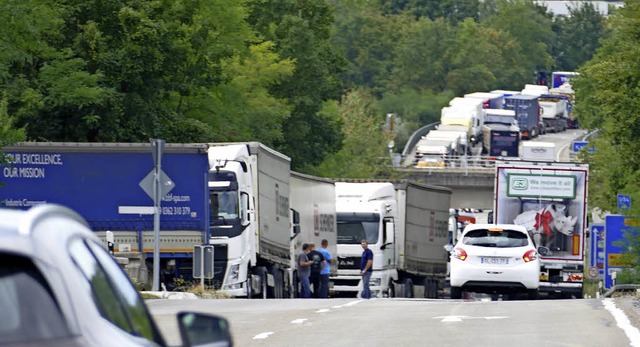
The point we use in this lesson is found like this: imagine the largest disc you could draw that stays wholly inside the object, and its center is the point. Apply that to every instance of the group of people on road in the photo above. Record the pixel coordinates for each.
(314, 267)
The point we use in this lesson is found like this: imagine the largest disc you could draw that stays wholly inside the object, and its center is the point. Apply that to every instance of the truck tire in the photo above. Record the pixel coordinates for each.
(533, 294)
(408, 288)
(390, 292)
(249, 284)
(456, 293)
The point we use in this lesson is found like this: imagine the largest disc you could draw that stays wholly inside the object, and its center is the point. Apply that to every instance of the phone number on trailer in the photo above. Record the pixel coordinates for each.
(176, 210)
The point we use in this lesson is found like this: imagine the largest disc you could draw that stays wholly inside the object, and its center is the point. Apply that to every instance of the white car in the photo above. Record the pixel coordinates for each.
(495, 258)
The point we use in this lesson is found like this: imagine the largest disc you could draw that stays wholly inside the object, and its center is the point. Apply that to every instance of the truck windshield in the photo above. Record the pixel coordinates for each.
(355, 227)
(224, 204)
(499, 119)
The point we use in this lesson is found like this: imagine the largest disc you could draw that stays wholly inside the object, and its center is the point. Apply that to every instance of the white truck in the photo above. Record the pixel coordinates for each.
(406, 226)
(314, 198)
(433, 153)
(550, 199)
(534, 89)
(458, 139)
(539, 151)
(554, 112)
(468, 112)
(277, 210)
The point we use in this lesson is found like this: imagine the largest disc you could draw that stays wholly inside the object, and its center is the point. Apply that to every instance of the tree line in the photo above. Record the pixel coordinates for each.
(312, 78)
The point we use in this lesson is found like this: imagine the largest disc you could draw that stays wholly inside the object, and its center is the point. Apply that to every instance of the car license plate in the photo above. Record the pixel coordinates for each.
(494, 260)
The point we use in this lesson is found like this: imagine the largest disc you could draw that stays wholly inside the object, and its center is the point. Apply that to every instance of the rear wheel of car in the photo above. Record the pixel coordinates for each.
(456, 293)
(533, 294)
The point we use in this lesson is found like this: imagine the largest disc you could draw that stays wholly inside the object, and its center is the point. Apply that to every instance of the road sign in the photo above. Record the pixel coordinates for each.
(596, 252)
(616, 229)
(576, 146)
(594, 272)
(624, 201)
(166, 184)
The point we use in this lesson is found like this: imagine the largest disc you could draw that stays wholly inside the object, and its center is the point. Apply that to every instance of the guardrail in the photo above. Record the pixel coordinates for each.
(460, 164)
(622, 288)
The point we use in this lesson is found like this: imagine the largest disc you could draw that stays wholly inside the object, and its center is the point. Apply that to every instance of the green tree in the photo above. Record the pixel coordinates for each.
(301, 31)
(607, 99)
(530, 29)
(578, 36)
(363, 154)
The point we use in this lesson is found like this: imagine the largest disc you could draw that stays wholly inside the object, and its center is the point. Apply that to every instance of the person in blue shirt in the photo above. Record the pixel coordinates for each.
(326, 270)
(366, 270)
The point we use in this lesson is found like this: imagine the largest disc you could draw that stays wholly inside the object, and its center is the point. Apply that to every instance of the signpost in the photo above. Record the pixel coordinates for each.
(203, 262)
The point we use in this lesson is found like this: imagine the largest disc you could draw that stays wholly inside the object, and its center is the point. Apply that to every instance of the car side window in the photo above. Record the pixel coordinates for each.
(134, 305)
(114, 295)
(29, 310)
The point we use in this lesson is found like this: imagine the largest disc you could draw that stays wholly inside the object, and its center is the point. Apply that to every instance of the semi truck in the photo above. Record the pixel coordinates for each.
(234, 196)
(489, 100)
(280, 209)
(550, 199)
(567, 91)
(111, 186)
(433, 153)
(473, 106)
(527, 111)
(558, 78)
(469, 117)
(501, 133)
(554, 111)
(314, 199)
(406, 226)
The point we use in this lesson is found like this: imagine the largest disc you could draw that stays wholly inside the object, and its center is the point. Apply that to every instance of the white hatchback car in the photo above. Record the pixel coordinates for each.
(495, 258)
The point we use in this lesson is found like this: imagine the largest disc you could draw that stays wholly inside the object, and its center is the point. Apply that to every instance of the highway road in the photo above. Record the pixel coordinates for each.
(411, 322)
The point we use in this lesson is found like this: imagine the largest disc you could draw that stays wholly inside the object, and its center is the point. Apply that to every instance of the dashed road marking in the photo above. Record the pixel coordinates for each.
(262, 336)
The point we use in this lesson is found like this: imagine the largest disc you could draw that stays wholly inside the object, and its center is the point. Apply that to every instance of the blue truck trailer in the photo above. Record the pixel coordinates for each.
(104, 183)
(527, 110)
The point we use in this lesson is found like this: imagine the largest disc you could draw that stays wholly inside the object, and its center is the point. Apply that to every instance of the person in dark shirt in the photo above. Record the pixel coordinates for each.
(366, 265)
(317, 266)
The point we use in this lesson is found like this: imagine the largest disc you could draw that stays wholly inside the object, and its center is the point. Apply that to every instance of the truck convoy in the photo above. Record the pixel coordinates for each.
(406, 226)
(501, 133)
(550, 200)
(235, 196)
(527, 111)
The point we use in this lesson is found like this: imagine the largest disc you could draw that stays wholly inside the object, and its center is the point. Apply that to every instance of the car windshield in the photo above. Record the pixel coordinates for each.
(502, 238)
(29, 311)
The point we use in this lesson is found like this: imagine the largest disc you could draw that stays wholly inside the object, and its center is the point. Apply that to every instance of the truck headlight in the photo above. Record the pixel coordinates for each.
(234, 273)
(375, 282)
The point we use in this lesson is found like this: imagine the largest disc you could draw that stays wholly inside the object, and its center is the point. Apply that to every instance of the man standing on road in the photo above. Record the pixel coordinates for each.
(317, 266)
(326, 271)
(304, 269)
(366, 264)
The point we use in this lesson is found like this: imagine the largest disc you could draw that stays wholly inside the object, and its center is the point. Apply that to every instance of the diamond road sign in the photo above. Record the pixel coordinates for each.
(166, 184)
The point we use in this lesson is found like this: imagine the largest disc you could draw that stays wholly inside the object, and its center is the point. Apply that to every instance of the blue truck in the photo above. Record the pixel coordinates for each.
(102, 182)
(527, 110)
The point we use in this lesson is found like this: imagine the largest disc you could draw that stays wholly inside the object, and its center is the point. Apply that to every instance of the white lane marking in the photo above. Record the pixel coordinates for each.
(623, 322)
(323, 310)
(262, 335)
(353, 303)
(298, 321)
(461, 318)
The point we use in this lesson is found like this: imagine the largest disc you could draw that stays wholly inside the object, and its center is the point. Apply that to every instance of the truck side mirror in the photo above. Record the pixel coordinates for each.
(245, 209)
(199, 329)
(295, 223)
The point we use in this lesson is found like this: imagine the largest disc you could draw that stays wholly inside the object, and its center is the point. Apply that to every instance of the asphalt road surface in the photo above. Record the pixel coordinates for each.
(411, 322)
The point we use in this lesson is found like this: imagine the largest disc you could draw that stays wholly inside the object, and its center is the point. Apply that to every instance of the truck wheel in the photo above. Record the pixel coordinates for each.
(533, 294)
(390, 292)
(408, 288)
(456, 293)
(249, 284)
